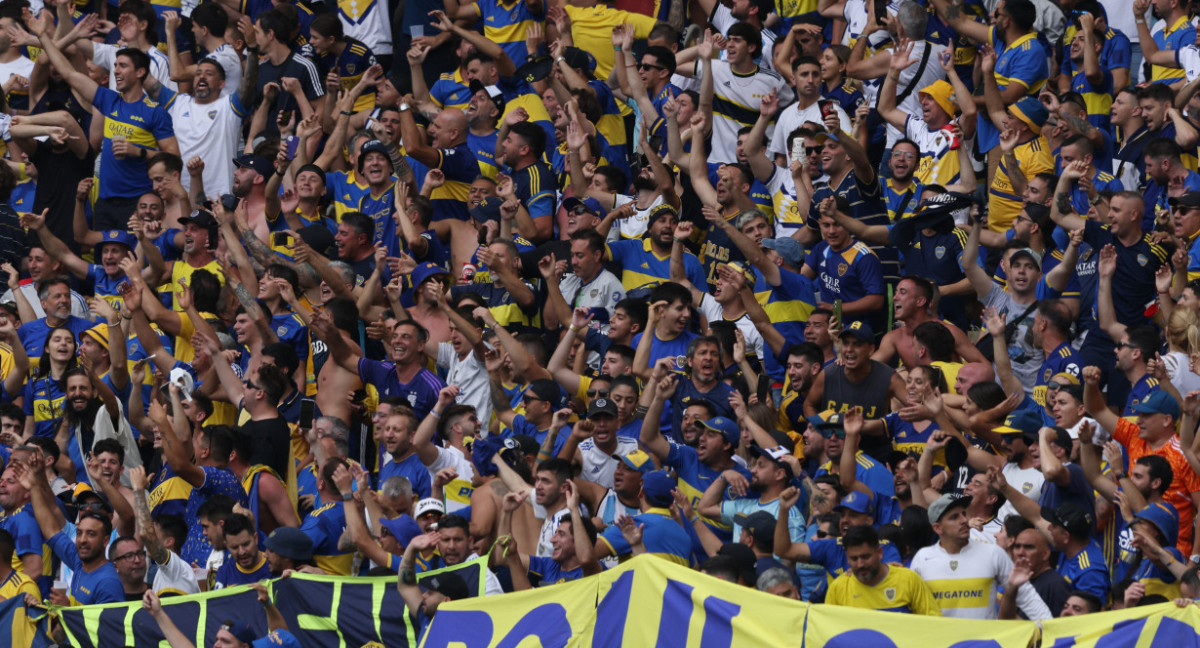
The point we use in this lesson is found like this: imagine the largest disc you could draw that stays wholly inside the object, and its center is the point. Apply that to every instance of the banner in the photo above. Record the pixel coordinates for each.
(835, 626)
(1152, 626)
(198, 617)
(552, 615)
(17, 626)
(335, 611)
(473, 573)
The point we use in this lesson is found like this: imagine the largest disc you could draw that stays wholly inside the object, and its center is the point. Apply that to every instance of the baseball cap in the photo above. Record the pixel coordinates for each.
(580, 59)
(943, 504)
(942, 94)
(242, 631)
(788, 248)
(1071, 517)
(860, 330)
(1062, 439)
(657, 486)
(1158, 402)
(493, 93)
(448, 584)
(429, 505)
(535, 68)
(589, 203)
(1165, 517)
(636, 460)
(488, 209)
(776, 455)
(120, 237)
(370, 146)
(1023, 422)
(858, 502)
(1027, 252)
(726, 427)
(98, 333)
(200, 218)
(403, 528)
(428, 270)
(826, 419)
(290, 542)
(602, 406)
(547, 390)
(1189, 199)
(261, 165)
(744, 557)
(760, 525)
(1032, 112)
(277, 638)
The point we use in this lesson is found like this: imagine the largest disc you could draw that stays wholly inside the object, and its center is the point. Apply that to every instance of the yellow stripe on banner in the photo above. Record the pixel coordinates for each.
(91, 621)
(315, 622)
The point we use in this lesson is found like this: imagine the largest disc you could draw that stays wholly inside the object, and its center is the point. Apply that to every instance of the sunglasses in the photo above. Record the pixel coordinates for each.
(829, 433)
(250, 384)
(822, 534)
(592, 393)
(649, 66)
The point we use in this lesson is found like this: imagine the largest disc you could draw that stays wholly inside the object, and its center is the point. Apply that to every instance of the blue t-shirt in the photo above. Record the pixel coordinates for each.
(217, 481)
(550, 572)
(412, 468)
(421, 392)
(848, 274)
(25, 532)
(325, 526)
(1086, 571)
(101, 585)
(44, 400)
(676, 348)
(694, 479)
(33, 334)
(231, 573)
(144, 124)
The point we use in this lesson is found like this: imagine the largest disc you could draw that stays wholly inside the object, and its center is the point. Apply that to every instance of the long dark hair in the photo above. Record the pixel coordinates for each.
(43, 370)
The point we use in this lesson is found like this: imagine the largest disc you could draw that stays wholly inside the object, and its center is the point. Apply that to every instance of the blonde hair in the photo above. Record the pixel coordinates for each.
(1183, 330)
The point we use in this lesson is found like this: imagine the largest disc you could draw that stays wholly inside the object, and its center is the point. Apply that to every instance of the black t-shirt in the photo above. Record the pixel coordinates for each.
(1053, 588)
(272, 443)
(58, 177)
(295, 66)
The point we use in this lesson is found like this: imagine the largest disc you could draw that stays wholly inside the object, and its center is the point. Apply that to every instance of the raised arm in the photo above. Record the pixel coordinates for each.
(1093, 400)
(980, 281)
(1106, 313)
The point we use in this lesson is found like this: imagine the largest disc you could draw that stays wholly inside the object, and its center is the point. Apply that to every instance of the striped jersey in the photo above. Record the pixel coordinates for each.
(351, 65)
(368, 21)
(965, 584)
(1179, 34)
(1025, 62)
(505, 23)
(736, 102)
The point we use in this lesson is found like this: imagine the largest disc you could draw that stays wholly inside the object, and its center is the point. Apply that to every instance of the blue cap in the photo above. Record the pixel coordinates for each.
(1157, 402)
(1027, 423)
(657, 486)
(1165, 517)
(261, 165)
(243, 631)
(826, 419)
(119, 236)
(277, 638)
(427, 270)
(589, 203)
(372, 146)
(858, 502)
(488, 209)
(403, 528)
(860, 330)
(290, 542)
(788, 248)
(727, 428)
(1032, 112)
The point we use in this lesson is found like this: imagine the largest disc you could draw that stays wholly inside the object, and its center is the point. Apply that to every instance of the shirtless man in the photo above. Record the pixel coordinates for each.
(489, 493)
(913, 304)
(430, 283)
(335, 384)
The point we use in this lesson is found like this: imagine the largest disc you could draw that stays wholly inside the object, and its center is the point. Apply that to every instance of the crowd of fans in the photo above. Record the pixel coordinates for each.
(887, 305)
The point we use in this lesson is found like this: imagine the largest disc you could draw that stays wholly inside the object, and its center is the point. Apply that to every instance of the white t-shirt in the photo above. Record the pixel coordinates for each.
(231, 62)
(175, 575)
(79, 307)
(21, 65)
(105, 56)
(794, 117)
(634, 226)
(369, 21)
(713, 312)
(1029, 481)
(598, 465)
(965, 583)
(604, 291)
(470, 376)
(452, 457)
(211, 131)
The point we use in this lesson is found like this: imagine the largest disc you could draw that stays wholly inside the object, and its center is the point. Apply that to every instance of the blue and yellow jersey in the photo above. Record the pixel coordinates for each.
(484, 148)
(535, 188)
(170, 493)
(1103, 182)
(106, 287)
(1172, 37)
(352, 64)
(661, 535)
(22, 629)
(451, 90)
(380, 207)
(901, 590)
(23, 527)
(901, 204)
(44, 399)
(1004, 203)
(847, 95)
(506, 24)
(345, 190)
(500, 302)
(641, 265)
(460, 168)
(694, 479)
(325, 526)
(908, 439)
(831, 555)
(1061, 360)
(142, 123)
(848, 274)
(1098, 97)
(1024, 62)
(518, 93)
(1141, 389)
(1086, 571)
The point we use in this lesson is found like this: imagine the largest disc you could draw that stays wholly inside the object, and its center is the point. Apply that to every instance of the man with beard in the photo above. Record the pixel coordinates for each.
(770, 475)
(588, 286)
(249, 565)
(804, 361)
(847, 270)
(94, 579)
(963, 575)
(288, 548)
(511, 300)
(128, 119)
(451, 423)
(858, 381)
(697, 467)
(532, 181)
(594, 446)
(55, 297)
(403, 376)
(871, 584)
(95, 415)
(304, 208)
(483, 112)
(871, 473)
(647, 261)
(163, 536)
(573, 536)
(1020, 462)
(423, 601)
(200, 238)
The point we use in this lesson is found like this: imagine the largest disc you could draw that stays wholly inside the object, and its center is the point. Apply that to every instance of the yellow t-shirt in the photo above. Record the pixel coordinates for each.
(1033, 157)
(902, 590)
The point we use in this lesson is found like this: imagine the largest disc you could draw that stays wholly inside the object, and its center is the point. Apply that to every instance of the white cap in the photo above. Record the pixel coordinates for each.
(181, 378)
(429, 505)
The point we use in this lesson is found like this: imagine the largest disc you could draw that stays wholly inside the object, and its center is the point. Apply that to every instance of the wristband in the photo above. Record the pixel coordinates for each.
(435, 414)
(346, 497)
(347, 113)
(616, 48)
(253, 49)
(573, 328)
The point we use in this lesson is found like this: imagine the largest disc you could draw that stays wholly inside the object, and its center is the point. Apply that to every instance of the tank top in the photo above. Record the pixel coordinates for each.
(871, 394)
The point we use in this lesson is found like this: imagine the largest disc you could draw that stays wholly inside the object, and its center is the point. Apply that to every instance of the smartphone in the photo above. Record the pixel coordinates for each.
(837, 312)
(292, 143)
(826, 106)
(281, 240)
(798, 151)
(308, 407)
(229, 201)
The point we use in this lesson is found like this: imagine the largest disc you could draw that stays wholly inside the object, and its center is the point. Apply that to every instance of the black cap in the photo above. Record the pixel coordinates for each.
(546, 390)
(260, 164)
(535, 68)
(1189, 199)
(200, 218)
(759, 524)
(448, 584)
(580, 59)
(602, 406)
(492, 91)
(744, 557)
(1072, 517)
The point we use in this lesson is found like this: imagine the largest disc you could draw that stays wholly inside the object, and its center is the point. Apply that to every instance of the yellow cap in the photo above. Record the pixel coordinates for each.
(942, 94)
